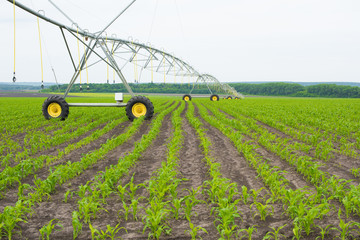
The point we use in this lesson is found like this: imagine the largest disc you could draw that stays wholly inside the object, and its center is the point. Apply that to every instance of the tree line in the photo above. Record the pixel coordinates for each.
(297, 90)
(261, 89)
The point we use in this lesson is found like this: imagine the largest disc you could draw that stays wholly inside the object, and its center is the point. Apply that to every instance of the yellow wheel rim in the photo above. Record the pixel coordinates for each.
(214, 98)
(186, 98)
(139, 109)
(54, 110)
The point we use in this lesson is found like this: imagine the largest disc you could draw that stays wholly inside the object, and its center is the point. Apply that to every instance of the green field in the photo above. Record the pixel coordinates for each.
(258, 168)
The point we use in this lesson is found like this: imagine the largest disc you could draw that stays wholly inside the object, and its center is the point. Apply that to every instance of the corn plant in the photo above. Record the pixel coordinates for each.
(11, 216)
(47, 229)
(154, 219)
(112, 231)
(176, 202)
(134, 206)
(121, 190)
(66, 195)
(263, 210)
(255, 193)
(126, 210)
(297, 230)
(194, 231)
(355, 172)
(76, 223)
(245, 194)
(275, 233)
(324, 232)
(248, 232)
(345, 229)
(95, 233)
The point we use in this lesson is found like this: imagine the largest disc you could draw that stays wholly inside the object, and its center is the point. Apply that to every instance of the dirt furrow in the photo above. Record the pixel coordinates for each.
(193, 168)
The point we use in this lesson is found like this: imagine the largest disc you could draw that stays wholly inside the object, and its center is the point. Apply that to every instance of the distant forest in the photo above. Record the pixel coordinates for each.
(262, 89)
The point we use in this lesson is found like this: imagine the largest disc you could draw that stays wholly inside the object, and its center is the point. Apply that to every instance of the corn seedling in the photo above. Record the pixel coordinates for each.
(275, 233)
(112, 231)
(47, 229)
(324, 232)
(126, 210)
(194, 231)
(248, 232)
(95, 234)
(245, 194)
(134, 206)
(76, 223)
(176, 202)
(263, 210)
(345, 229)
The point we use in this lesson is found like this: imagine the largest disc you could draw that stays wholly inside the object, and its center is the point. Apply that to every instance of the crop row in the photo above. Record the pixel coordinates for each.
(304, 210)
(58, 176)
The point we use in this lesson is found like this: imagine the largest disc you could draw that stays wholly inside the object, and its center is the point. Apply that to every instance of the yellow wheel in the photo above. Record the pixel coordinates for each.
(55, 107)
(138, 110)
(139, 106)
(187, 97)
(214, 97)
(54, 110)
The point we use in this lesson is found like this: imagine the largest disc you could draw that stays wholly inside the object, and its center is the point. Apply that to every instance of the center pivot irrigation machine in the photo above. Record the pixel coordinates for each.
(108, 50)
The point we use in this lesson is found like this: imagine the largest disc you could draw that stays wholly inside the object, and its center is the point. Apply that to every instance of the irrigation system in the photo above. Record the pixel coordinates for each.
(111, 49)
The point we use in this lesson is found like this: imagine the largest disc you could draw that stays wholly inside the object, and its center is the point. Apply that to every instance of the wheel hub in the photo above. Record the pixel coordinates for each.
(186, 98)
(139, 109)
(54, 110)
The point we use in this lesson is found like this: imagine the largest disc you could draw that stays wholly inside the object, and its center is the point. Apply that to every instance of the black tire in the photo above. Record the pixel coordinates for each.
(186, 97)
(229, 97)
(214, 97)
(144, 102)
(60, 108)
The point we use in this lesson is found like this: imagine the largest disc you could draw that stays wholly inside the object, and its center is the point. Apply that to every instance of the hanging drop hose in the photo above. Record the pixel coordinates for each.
(14, 77)
(87, 71)
(112, 53)
(135, 66)
(41, 59)
(152, 71)
(174, 70)
(107, 65)
(78, 45)
(164, 68)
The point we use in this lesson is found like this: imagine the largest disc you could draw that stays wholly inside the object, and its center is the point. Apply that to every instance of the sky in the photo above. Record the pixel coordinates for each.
(233, 40)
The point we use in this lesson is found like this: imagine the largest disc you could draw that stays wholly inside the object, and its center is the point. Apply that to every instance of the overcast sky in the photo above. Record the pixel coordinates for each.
(234, 40)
